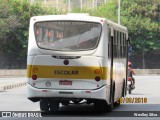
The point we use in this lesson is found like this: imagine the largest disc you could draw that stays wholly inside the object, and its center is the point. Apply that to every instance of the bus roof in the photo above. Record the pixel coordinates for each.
(116, 25)
(77, 17)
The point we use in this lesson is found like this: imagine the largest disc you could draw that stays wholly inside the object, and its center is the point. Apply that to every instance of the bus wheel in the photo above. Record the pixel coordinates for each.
(100, 106)
(123, 89)
(111, 105)
(53, 105)
(44, 105)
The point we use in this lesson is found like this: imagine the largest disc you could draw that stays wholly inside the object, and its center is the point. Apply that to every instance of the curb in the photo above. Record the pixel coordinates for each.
(11, 86)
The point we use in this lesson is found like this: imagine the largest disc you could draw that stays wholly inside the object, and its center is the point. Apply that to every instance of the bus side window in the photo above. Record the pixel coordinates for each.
(114, 44)
(109, 43)
(121, 45)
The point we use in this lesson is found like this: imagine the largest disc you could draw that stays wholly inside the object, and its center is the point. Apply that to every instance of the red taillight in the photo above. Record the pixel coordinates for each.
(34, 77)
(102, 20)
(97, 78)
(34, 19)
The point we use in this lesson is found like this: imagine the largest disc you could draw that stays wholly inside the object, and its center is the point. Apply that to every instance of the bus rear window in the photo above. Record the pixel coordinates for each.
(67, 35)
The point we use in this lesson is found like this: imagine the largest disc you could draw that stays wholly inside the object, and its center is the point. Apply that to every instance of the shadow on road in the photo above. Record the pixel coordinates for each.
(75, 110)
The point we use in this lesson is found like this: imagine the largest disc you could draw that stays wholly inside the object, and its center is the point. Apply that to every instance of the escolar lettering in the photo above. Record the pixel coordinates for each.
(66, 72)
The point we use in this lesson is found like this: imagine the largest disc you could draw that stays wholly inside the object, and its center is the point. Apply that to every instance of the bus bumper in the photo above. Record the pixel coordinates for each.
(35, 93)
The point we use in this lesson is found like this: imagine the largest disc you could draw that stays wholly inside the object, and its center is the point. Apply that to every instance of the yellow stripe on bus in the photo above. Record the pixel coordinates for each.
(72, 72)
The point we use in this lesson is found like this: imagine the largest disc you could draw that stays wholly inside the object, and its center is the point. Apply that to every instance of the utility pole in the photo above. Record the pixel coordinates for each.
(45, 2)
(104, 1)
(57, 4)
(81, 4)
(119, 9)
(96, 3)
(69, 5)
(93, 4)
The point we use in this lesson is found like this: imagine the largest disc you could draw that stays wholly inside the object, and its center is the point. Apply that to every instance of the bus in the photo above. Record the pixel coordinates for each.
(76, 57)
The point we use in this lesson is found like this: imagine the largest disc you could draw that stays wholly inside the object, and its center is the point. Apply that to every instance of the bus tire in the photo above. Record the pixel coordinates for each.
(53, 105)
(111, 105)
(44, 105)
(123, 89)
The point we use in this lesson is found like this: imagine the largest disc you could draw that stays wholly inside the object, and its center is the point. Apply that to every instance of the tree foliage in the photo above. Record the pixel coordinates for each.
(14, 24)
(141, 17)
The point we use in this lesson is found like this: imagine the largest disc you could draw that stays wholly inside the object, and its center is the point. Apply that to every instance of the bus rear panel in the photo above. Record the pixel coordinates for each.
(66, 75)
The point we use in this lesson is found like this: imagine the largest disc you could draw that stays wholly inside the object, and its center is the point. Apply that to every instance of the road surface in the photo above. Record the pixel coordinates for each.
(146, 87)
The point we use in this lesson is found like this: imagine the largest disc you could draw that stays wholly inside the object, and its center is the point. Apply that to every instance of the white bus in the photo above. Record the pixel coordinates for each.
(76, 57)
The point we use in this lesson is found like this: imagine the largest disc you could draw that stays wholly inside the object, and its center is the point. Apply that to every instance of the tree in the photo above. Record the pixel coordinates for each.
(142, 17)
(14, 23)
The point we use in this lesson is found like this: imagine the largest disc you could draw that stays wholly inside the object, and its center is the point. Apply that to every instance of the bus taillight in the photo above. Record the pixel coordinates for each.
(97, 78)
(34, 77)
(97, 71)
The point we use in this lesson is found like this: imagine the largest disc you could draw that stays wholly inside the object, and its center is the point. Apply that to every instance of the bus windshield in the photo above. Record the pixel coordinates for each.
(67, 35)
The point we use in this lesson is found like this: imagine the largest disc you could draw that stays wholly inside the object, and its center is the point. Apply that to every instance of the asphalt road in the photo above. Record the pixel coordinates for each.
(147, 87)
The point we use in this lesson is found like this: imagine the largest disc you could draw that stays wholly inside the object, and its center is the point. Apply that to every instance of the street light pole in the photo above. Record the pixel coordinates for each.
(81, 5)
(119, 8)
(57, 4)
(93, 4)
(69, 5)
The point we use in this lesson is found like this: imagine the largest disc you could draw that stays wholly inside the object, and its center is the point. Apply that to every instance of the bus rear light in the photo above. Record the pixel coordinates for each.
(97, 71)
(34, 77)
(102, 20)
(35, 70)
(34, 19)
(97, 78)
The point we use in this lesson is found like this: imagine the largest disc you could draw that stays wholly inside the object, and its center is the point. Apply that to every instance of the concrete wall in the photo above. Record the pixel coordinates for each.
(147, 71)
(13, 72)
(23, 72)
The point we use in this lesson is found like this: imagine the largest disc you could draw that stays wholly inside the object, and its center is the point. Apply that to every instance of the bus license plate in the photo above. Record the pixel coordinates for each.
(65, 82)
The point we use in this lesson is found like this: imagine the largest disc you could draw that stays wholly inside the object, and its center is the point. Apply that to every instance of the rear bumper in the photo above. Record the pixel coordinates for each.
(36, 93)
